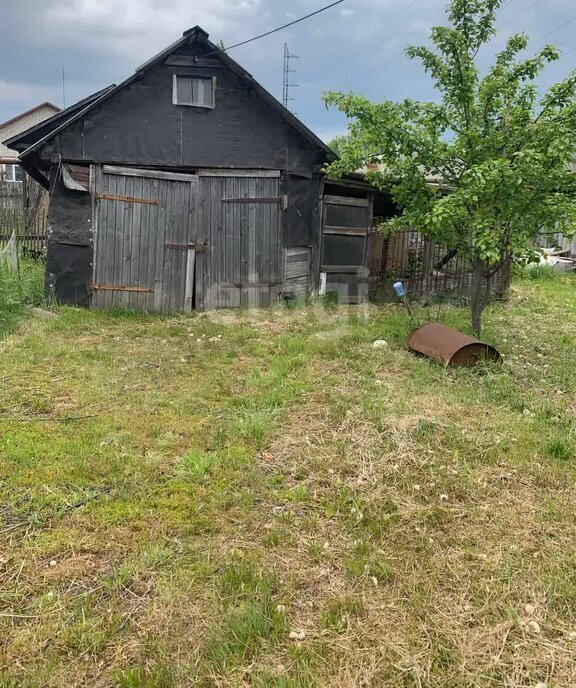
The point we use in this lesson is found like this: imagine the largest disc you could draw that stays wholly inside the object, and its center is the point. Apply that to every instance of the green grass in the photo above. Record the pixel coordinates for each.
(264, 500)
(18, 291)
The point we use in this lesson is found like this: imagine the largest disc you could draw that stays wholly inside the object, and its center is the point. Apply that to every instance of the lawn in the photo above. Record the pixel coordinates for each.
(266, 500)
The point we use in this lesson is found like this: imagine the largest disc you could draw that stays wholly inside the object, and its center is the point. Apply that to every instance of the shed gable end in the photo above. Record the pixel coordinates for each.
(142, 124)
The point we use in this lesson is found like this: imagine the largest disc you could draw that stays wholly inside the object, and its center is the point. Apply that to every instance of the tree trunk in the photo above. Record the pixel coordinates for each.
(478, 302)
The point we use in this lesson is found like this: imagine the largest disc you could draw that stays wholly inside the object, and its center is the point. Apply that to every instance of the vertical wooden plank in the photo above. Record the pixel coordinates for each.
(267, 247)
(217, 213)
(178, 257)
(184, 225)
(262, 245)
(144, 249)
(277, 252)
(107, 256)
(168, 238)
(201, 237)
(213, 224)
(144, 246)
(100, 236)
(244, 212)
(193, 237)
(113, 233)
(110, 255)
(253, 273)
(229, 258)
(135, 229)
(174, 212)
(184, 233)
(190, 272)
(203, 267)
(160, 235)
(101, 257)
(113, 226)
(237, 247)
(95, 220)
(119, 184)
(127, 218)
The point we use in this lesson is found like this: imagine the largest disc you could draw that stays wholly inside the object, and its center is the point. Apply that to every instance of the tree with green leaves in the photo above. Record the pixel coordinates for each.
(502, 150)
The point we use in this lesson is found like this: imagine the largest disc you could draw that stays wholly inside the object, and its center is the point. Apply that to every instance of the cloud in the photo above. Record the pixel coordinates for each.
(357, 46)
(20, 92)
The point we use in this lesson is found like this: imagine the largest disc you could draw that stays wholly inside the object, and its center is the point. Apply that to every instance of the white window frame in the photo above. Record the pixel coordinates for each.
(175, 78)
(12, 178)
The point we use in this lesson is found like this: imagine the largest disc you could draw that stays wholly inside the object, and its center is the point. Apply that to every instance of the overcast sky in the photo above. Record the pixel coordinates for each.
(358, 45)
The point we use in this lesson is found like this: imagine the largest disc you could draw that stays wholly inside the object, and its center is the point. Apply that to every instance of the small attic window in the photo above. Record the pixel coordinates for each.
(194, 91)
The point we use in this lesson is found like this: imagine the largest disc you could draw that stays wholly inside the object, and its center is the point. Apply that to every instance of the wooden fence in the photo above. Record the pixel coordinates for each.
(560, 241)
(24, 212)
(425, 267)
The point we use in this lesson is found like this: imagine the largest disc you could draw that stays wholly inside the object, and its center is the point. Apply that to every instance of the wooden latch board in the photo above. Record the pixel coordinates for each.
(120, 287)
(186, 247)
(274, 200)
(126, 199)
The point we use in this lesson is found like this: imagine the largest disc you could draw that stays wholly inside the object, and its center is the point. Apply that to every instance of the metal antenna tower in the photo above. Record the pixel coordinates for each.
(287, 85)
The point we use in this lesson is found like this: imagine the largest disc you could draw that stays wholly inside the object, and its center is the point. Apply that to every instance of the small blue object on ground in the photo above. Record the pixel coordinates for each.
(400, 289)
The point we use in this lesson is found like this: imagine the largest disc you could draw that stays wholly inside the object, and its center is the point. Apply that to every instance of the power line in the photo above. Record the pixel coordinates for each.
(280, 28)
(558, 28)
(520, 14)
(395, 16)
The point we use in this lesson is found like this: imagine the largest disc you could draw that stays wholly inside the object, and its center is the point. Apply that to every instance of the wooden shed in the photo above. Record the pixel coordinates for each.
(188, 186)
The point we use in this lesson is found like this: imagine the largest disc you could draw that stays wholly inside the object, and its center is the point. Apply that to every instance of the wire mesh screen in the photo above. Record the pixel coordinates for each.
(425, 267)
(24, 213)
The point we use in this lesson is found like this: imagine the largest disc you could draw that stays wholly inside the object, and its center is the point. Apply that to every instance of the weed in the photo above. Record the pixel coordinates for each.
(341, 612)
(19, 290)
(243, 634)
(560, 449)
(539, 273)
(160, 677)
(197, 464)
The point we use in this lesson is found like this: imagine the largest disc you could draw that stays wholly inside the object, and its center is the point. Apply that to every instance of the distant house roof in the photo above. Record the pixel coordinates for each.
(72, 114)
(16, 125)
(48, 126)
(31, 111)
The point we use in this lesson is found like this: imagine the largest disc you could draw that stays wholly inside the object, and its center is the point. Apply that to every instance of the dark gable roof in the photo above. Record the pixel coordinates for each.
(194, 34)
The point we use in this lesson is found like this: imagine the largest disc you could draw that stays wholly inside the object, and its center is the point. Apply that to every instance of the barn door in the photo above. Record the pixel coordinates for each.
(146, 240)
(241, 218)
(345, 227)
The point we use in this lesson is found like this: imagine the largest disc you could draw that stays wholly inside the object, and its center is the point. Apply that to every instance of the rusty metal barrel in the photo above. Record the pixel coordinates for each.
(450, 347)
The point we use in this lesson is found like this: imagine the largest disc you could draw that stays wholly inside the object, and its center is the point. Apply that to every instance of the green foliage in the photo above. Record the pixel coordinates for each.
(338, 144)
(485, 169)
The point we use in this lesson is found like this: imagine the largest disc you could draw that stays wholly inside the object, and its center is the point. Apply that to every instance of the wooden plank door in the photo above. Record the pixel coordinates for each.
(345, 226)
(244, 261)
(144, 254)
(180, 246)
